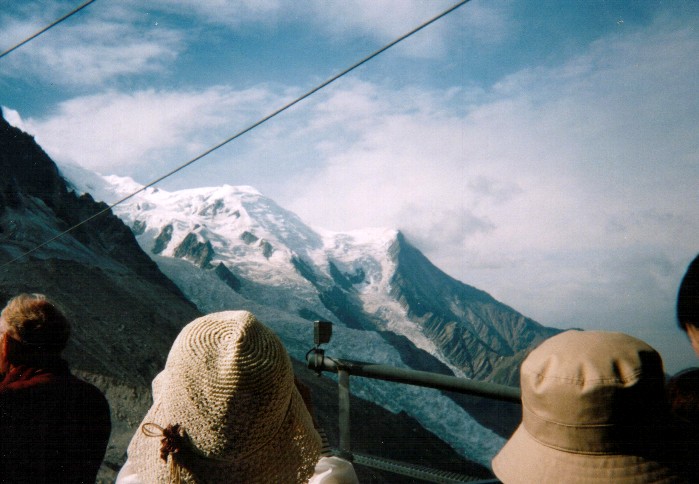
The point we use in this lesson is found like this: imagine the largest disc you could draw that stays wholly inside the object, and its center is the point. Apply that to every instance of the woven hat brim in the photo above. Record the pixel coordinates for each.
(525, 460)
(290, 456)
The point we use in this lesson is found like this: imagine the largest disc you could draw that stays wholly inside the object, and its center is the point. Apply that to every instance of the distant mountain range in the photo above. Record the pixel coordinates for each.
(208, 249)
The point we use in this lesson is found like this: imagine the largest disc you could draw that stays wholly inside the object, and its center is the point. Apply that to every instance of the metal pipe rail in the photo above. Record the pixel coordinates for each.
(318, 362)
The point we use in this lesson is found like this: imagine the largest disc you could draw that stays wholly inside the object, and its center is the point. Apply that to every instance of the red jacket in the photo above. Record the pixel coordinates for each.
(54, 427)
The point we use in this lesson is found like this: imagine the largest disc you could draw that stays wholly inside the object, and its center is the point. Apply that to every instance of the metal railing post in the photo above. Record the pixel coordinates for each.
(318, 362)
(343, 387)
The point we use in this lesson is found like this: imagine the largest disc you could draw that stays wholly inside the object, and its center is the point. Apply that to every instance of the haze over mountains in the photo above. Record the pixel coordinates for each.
(209, 249)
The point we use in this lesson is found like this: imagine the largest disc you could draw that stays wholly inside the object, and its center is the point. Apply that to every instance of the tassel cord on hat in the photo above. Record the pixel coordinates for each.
(173, 439)
(171, 444)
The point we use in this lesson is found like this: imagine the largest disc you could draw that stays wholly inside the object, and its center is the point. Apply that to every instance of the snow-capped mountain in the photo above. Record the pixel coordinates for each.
(125, 312)
(231, 247)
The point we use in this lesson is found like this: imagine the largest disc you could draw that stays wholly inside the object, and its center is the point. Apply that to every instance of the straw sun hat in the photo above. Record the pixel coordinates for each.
(228, 385)
(592, 409)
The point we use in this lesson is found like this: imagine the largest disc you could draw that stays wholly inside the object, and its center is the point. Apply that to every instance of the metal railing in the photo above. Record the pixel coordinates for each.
(319, 362)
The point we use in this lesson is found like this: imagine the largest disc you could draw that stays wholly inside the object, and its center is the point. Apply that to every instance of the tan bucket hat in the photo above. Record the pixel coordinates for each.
(229, 386)
(593, 411)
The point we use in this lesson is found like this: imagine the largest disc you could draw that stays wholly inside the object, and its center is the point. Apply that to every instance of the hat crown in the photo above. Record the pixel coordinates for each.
(591, 391)
(228, 384)
(226, 375)
(593, 412)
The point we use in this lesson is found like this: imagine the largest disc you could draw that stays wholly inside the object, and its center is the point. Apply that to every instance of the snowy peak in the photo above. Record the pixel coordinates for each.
(223, 216)
(367, 279)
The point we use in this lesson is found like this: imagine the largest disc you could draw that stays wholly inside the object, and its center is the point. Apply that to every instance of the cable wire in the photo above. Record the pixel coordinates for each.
(245, 130)
(69, 14)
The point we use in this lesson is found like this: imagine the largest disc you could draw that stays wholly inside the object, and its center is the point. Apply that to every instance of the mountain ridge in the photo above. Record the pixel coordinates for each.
(373, 279)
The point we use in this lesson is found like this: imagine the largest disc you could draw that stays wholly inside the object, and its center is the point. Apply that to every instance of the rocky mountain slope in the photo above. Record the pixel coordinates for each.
(107, 285)
(125, 311)
(482, 337)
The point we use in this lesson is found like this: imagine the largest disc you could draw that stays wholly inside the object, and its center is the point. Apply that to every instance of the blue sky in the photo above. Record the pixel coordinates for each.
(545, 152)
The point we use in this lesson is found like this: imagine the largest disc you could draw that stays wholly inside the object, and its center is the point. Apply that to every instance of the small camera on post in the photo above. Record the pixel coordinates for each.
(322, 332)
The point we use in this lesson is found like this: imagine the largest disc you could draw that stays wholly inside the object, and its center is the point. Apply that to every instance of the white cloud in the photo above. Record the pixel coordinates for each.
(388, 19)
(561, 192)
(26, 18)
(145, 133)
(381, 20)
(107, 43)
(13, 117)
(99, 45)
(226, 12)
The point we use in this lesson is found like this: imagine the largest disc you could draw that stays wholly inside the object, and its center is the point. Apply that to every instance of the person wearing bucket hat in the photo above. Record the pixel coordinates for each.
(226, 409)
(593, 411)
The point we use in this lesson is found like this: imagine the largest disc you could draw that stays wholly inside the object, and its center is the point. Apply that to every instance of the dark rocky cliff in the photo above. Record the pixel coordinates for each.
(29, 177)
(113, 292)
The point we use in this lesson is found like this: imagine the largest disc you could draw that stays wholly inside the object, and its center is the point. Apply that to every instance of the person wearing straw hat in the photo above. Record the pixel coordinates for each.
(226, 409)
(54, 427)
(593, 411)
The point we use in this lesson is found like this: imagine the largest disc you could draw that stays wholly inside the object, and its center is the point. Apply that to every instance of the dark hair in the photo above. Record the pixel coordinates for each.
(683, 396)
(688, 297)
